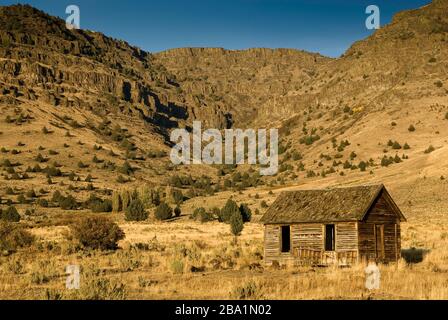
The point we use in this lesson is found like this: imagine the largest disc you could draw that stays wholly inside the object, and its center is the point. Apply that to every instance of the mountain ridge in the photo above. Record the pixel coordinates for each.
(396, 75)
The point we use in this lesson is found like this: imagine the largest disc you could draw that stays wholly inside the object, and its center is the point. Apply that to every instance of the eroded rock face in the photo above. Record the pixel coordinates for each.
(222, 88)
(60, 66)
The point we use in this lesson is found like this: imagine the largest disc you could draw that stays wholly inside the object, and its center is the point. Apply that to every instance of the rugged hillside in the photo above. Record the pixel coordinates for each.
(241, 81)
(43, 61)
(375, 113)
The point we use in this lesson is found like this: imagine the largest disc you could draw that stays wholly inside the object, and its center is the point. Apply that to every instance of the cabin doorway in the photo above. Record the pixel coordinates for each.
(379, 241)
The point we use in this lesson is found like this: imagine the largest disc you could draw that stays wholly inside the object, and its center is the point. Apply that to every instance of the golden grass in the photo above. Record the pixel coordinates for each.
(189, 260)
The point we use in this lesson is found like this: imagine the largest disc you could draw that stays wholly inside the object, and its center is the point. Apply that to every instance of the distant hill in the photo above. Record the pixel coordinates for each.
(379, 110)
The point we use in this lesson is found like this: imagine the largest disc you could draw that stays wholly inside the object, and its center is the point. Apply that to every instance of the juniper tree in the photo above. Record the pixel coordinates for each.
(236, 224)
(125, 199)
(136, 211)
(163, 212)
(116, 202)
(228, 210)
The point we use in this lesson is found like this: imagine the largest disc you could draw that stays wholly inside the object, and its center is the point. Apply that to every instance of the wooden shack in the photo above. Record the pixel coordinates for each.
(333, 226)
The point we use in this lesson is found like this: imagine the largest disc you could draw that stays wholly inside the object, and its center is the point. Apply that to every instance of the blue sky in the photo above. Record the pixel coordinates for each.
(325, 26)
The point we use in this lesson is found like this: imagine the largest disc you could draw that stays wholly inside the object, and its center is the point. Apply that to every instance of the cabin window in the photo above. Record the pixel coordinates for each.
(329, 237)
(286, 239)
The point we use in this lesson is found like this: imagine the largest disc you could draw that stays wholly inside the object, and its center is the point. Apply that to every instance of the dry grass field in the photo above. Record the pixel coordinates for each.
(184, 259)
(85, 119)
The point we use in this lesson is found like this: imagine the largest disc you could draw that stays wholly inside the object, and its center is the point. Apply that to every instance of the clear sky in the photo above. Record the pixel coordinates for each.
(325, 26)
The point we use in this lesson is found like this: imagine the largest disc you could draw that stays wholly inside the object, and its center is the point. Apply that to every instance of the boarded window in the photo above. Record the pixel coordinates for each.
(329, 237)
(286, 239)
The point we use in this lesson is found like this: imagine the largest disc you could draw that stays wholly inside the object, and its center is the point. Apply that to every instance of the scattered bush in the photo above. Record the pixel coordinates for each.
(126, 169)
(177, 211)
(68, 203)
(411, 128)
(116, 202)
(136, 211)
(99, 205)
(10, 214)
(21, 199)
(31, 194)
(396, 145)
(202, 215)
(163, 212)
(13, 237)
(97, 233)
(43, 203)
(430, 149)
(236, 224)
(9, 191)
(246, 213)
(229, 209)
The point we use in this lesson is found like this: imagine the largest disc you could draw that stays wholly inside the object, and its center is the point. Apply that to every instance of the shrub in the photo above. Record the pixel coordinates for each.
(68, 203)
(246, 213)
(163, 212)
(430, 149)
(52, 171)
(202, 215)
(236, 224)
(248, 290)
(21, 199)
(264, 204)
(386, 161)
(136, 211)
(10, 215)
(57, 196)
(177, 266)
(411, 128)
(81, 165)
(40, 158)
(228, 210)
(97, 233)
(126, 169)
(396, 145)
(362, 166)
(125, 199)
(14, 236)
(116, 202)
(177, 211)
(31, 194)
(100, 205)
(95, 288)
(177, 196)
(43, 203)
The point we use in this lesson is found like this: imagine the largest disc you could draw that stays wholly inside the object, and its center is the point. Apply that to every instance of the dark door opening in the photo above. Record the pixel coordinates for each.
(329, 237)
(286, 239)
(379, 241)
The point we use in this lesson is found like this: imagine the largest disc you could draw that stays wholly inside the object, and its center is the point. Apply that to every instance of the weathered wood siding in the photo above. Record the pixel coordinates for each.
(346, 236)
(271, 242)
(381, 214)
(308, 236)
(272, 245)
(307, 242)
